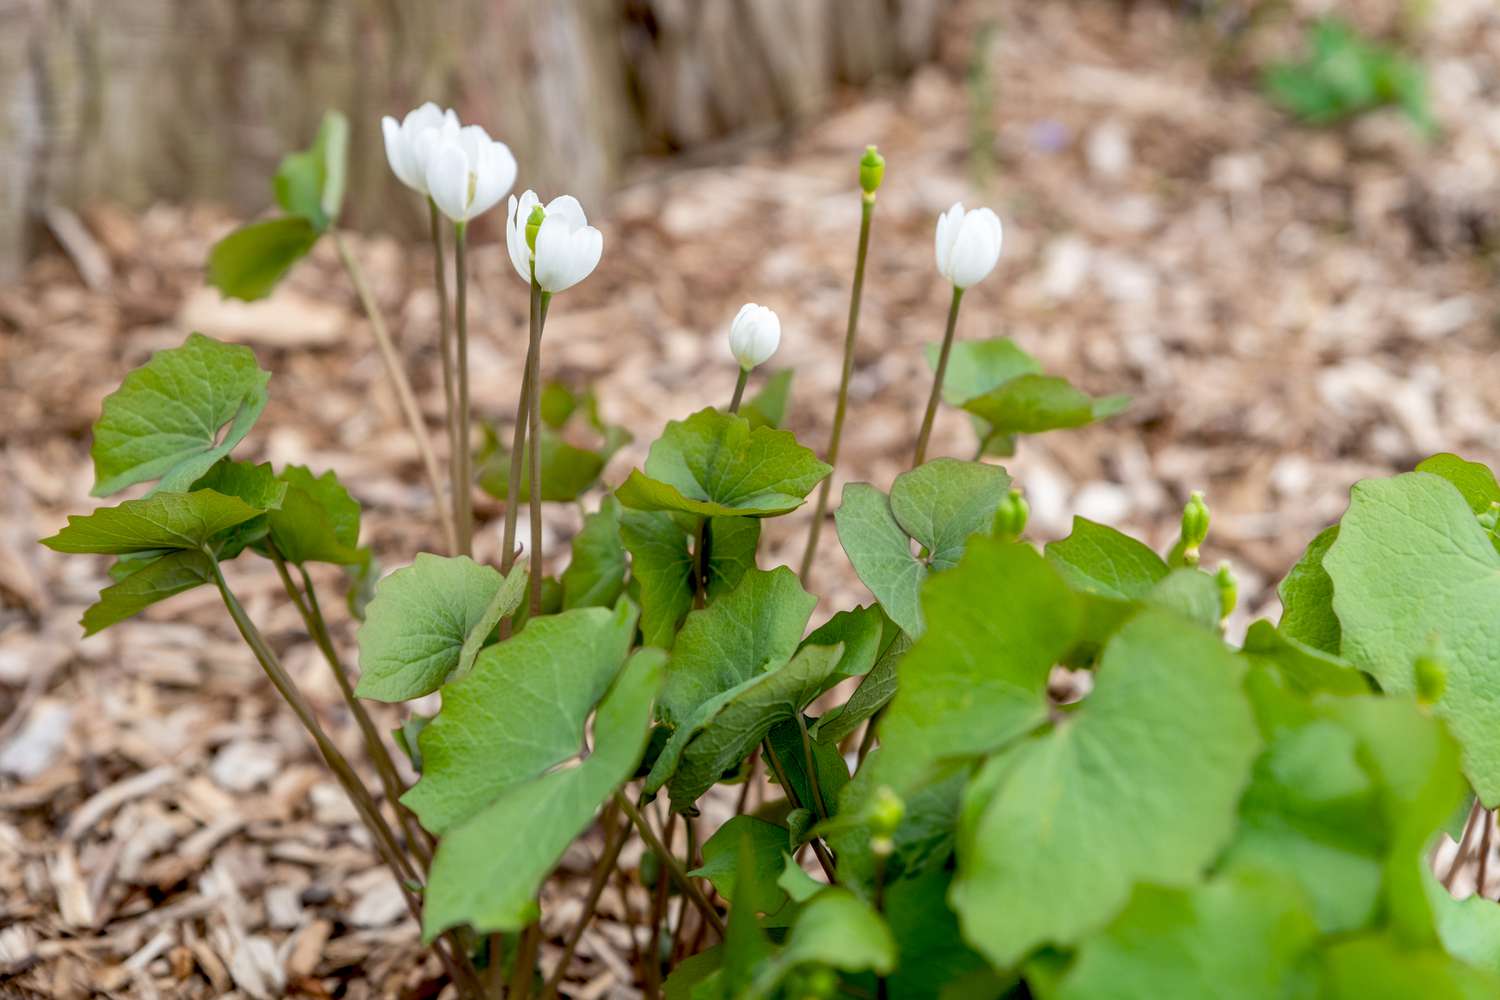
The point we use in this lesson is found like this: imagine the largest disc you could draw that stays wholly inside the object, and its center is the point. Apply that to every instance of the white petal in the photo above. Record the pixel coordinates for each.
(568, 207)
(515, 233)
(588, 248)
(395, 153)
(496, 173)
(553, 252)
(976, 249)
(948, 225)
(448, 181)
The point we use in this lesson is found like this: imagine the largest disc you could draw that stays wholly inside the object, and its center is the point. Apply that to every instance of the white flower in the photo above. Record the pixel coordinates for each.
(408, 142)
(754, 335)
(567, 248)
(467, 172)
(968, 244)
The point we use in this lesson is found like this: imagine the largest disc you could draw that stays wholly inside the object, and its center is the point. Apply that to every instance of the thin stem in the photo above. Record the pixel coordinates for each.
(445, 347)
(867, 741)
(494, 969)
(534, 439)
(517, 456)
(739, 390)
(317, 628)
(1484, 853)
(397, 375)
(524, 970)
(750, 773)
(824, 858)
(463, 496)
(812, 768)
(1462, 850)
(937, 378)
(674, 867)
(614, 842)
(840, 410)
(385, 840)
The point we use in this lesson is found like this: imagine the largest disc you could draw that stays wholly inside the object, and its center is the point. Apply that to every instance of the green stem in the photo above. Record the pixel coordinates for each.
(463, 501)
(739, 390)
(524, 969)
(317, 628)
(674, 867)
(539, 300)
(937, 378)
(824, 858)
(812, 768)
(517, 456)
(840, 410)
(399, 382)
(615, 838)
(445, 347)
(385, 841)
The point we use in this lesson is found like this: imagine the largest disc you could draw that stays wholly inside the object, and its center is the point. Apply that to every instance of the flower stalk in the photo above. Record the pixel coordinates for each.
(445, 347)
(405, 398)
(463, 486)
(937, 378)
(840, 410)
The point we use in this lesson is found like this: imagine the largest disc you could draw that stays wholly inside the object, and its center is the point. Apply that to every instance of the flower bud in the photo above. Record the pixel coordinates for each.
(754, 335)
(534, 223)
(1431, 678)
(968, 244)
(1229, 590)
(1011, 516)
(885, 811)
(871, 172)
(1194, 528)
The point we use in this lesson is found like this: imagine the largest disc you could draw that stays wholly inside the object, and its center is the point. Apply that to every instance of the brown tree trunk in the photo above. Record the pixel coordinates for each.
(135, 100)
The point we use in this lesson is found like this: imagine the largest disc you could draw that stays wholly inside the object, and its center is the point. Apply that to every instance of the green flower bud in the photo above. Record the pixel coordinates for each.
(885, 811)
(533, 223)
(1229, 590)
(1194, 528)
(871, 172)
(817, 982)
(1011, 516)
(1431, 677)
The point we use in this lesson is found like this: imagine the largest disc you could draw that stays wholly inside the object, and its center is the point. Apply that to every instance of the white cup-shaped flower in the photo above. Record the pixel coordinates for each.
(467, 172)
(754, 335)
(561, 249)
(968, 244)
(408, 142)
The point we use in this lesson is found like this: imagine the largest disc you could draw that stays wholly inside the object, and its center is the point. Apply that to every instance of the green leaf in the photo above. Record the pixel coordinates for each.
(932, 955)
(797, 884)
(257, 485)
(487, 870)
(714, 464)
(767, 408)
(881, 553)
(310, 183)
(519, 712)
(418, 622)
(567, 470)
(1410, 565)
(1139, 785)
(318, 521)
(873, 694)
(662, 564)
(596, 574)
(1476, 482)
(740, 636)
(1238, 937)
(1190, 593)
(1307, 598)
(977, 679)
(721, 853)
(1097, 559)
(725, 729)
(977, 366)
(160, 578)
(1031, 404)
(835, 928)
(168, 419)
(1468, 928)
(249, 262)
(732, 542)
(1304, 668)
(557, 404)
(1378, 967)
(507, 601)
(162, 521)
(833, 774)
(945, 501)
(861, 630)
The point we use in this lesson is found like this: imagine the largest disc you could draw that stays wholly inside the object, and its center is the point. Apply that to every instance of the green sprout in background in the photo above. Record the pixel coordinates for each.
(1346, 74)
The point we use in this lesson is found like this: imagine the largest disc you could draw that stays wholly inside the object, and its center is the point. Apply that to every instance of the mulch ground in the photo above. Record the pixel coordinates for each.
(1291, 309)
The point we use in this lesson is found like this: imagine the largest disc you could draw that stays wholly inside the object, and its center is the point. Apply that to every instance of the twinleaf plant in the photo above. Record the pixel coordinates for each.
(1021, 770)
